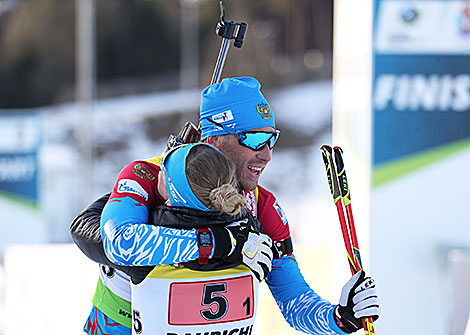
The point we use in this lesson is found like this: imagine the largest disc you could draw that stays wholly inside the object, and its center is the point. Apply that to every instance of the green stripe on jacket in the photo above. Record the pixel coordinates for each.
(111, 305)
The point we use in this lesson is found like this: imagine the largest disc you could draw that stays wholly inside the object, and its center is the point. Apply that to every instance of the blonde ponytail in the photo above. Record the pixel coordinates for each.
(227, 199)
(212, 178)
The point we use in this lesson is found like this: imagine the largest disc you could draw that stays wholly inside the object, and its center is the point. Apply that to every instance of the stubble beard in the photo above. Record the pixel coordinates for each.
(245, 184)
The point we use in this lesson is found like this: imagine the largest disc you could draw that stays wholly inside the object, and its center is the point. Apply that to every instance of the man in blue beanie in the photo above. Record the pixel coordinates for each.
(237, 119)
(236, 106)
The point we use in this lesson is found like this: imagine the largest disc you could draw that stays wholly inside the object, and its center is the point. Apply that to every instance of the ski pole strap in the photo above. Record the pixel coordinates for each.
(282, 248)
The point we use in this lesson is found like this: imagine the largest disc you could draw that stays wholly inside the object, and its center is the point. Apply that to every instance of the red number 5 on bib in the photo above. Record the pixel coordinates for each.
(208, 302)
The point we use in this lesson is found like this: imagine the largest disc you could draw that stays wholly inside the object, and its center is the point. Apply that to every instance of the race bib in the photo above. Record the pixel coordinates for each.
(181, 301)
(207, 302)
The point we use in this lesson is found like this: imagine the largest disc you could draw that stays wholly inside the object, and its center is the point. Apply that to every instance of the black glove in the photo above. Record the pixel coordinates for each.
(358, 300)
(239, 244)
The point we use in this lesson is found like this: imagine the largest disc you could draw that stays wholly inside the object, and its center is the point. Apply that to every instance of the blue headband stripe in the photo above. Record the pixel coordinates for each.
(177, 184)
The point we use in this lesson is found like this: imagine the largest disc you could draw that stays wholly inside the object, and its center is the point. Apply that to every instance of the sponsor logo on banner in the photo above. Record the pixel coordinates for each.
(223, 117)
(133, 187)
(20, 139)
(280, 212)
(443, 92)
(422, 27)
(463, 20)
(409, 15)
(17, 168)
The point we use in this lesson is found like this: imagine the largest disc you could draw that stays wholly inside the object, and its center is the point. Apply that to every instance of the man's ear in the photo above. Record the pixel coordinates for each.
(213, 140)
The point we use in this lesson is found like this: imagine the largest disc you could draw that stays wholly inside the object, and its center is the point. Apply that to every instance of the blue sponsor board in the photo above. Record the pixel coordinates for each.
(19, 145)
(421, 81)
(19, 175)
(419, 102)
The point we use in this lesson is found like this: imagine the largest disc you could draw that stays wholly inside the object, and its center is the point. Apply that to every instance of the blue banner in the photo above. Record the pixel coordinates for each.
(419, 102)
(421, 81)
(19, 166)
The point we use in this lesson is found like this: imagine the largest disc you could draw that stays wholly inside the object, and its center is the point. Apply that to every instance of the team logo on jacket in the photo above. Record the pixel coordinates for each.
(142, 172)
(264, 110)
(280, 212)
(133, 187)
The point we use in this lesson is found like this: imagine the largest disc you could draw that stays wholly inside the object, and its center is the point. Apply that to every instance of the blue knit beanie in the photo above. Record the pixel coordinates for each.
(236, 103)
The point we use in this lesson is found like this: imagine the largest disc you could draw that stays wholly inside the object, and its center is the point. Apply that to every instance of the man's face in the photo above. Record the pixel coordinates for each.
(249, 163)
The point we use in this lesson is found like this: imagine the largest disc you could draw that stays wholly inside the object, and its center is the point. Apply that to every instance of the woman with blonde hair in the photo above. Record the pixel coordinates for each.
(204, 280)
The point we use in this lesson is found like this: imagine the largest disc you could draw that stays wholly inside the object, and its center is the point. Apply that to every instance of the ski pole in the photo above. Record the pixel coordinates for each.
(327, 154)
(346, 197)
(339, 188)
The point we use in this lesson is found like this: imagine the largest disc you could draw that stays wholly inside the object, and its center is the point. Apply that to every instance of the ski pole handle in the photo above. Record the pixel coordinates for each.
(327, 154)
(367, 323)
(339, 188)
(346, 197)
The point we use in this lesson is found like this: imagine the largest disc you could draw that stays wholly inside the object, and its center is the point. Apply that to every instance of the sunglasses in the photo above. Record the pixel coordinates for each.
(253, 139)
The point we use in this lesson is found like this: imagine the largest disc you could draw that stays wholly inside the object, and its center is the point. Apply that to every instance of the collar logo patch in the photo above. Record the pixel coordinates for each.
(143, 172)
(251, 200)
(264, 111)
